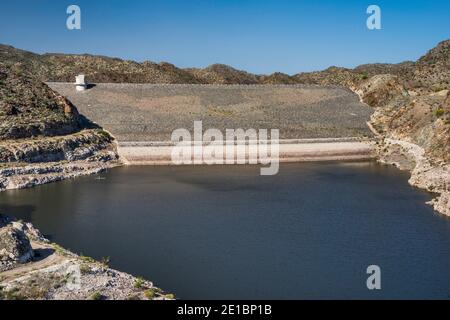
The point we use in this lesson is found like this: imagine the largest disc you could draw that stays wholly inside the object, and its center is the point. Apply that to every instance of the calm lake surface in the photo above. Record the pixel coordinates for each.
(226, 232)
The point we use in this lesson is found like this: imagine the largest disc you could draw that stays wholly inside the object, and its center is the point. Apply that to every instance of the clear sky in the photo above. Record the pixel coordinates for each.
(260, 36)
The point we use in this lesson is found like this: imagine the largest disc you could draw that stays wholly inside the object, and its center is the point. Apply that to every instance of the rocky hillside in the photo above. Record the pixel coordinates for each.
(39, 125)
(43, 138)
(30, 108)
(412, 117)
(278, 78)
(432, 71)
(353, 77)
(63, 67)
(415, 106)
(223, 74)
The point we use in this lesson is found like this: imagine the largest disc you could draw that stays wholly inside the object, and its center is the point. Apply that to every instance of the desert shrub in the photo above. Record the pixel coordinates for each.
(13, 294)
(139, 283)
(105, 261)
(85, 269)
(149, 293)
(104, 134)
(86, 258)
(439, 112)
(58, 248)
(169, 296)
(96, 296)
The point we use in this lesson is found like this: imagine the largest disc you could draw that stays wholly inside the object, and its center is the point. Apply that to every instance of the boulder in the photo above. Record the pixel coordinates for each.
(14, 245)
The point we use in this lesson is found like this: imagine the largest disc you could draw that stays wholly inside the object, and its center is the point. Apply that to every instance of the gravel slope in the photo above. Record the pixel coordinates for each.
(146, 112)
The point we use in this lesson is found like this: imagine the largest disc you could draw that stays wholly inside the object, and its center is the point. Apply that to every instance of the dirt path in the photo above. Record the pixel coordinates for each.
(50, 258)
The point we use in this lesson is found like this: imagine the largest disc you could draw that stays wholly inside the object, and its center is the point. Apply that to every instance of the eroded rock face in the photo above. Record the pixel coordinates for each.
(424, 174)
(380, 89)
(412, 119)
(79, 146)
(29, 108)
(442, 203)
(15, 247)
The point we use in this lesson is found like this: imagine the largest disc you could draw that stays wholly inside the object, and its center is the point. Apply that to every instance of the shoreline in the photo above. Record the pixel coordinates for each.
(157, 153)
(408, 156)
(32, 267)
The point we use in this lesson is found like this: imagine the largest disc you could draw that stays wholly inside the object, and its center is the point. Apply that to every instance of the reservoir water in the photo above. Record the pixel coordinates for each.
(227, 232)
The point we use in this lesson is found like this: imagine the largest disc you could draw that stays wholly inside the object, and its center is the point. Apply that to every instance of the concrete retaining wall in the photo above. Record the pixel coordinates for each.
(295, 150)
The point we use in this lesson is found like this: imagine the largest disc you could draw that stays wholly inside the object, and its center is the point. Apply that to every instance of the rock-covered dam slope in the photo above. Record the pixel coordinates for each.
(149, 112)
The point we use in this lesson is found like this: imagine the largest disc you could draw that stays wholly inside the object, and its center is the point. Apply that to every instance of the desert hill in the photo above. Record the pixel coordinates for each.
(431, 70)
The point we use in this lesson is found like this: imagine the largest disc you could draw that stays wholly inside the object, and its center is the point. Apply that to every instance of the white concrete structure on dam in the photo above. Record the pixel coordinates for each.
(80, 82)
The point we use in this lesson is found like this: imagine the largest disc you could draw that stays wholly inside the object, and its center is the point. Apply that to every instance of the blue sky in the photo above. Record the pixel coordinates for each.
(260, 36)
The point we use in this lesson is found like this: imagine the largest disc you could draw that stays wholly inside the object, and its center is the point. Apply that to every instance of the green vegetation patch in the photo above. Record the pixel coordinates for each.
(96, 296)
(139, 283)
(149, 293)
(440, 112)
(87, 259)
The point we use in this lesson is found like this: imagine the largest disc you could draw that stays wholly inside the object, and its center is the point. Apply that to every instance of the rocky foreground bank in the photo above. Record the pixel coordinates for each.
(43, 139)
(31, 267)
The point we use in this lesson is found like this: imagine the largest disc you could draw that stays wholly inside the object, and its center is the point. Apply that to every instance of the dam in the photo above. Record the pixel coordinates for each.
(314, 122)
